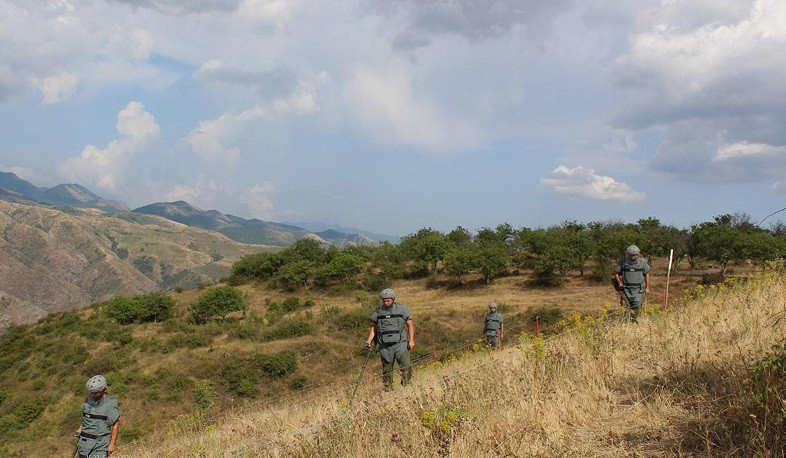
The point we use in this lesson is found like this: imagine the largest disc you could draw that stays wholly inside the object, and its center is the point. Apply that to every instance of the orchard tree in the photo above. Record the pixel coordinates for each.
(217, 302)
(461, 260)
(426, 247)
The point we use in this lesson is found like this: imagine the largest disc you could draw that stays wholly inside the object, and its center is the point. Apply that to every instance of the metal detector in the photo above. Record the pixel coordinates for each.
(360, 376)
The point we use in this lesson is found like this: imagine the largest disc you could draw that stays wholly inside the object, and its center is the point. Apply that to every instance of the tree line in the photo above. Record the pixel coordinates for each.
(549, 253)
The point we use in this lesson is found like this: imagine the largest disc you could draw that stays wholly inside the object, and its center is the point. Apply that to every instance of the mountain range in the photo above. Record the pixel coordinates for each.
(253, 231)
(65, 247)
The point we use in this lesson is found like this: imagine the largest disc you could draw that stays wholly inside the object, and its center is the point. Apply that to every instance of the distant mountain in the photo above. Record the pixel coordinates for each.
(16, 197)
(60, 196)
(253, 231)
(250, 231)
(11, 182)
(58, 259)
(78, 196)
(318, 227)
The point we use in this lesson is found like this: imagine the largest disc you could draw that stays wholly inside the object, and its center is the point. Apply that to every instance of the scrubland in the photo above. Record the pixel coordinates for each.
(703, 378)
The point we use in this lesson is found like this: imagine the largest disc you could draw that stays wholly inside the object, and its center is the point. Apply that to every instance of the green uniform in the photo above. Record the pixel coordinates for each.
(633, 273)
(98, 417)
(493, 324)
(391, 334)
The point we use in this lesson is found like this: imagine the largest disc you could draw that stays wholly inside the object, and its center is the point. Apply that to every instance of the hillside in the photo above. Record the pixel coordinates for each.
(678, 384)
(276, 379)
(75, 257)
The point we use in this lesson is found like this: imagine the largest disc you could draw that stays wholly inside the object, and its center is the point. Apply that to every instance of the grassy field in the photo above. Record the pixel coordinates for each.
(274, 371)
(677, 384)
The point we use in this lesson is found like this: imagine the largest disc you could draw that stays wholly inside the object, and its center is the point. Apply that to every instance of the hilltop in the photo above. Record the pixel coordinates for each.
(78, 256)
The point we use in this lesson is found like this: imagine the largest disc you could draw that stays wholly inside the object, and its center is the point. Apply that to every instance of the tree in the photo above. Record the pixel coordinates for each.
(492, 259)
(426, 247)
(295, 274)
(217, 302)
(258, 265)
(461, 260)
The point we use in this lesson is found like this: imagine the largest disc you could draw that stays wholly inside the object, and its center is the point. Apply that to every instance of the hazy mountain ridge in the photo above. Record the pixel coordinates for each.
(75, 257)
(250, 231)
(253, 231)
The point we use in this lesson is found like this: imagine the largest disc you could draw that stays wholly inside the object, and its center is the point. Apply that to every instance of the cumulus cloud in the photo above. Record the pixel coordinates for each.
(712, 77)
(269, 84)
(472, 19)
(210, 139)
(385, 102)
(104, 167)
(259, 199)
(55, 88)
(584, 183)
(747, 150)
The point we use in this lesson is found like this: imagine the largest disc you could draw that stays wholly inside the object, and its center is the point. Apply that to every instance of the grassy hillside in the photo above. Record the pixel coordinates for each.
(75, 257)
(289, 362)
(701, 379)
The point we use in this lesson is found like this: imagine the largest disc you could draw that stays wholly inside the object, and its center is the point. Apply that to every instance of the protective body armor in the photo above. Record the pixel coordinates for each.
(98, 417)
(391, 324)
(493, 323)
(632, 273)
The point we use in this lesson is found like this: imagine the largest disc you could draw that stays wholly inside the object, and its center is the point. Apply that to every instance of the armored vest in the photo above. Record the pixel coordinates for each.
(98, 417)
(391, 323)
(633, 273)
(493, 322)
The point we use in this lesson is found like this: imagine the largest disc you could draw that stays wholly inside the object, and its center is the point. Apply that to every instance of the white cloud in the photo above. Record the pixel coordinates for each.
(210, 138)
(104, 167)
(259, 200)
(747, 150)
(584, 183)
(56, 88)
(384, 101)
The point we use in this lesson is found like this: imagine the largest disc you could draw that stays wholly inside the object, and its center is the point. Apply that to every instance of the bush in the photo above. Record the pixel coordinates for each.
(240, 378)
(280, 364)
(290, 329)
(217, 302)
(139, 309)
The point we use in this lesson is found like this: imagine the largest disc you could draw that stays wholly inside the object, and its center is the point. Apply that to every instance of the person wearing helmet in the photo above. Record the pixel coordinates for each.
(394, 331)
(100, 420)
(633, 275)
(494, 328)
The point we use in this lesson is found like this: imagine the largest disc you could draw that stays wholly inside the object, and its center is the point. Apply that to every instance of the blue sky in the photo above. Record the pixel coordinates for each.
(396, 115)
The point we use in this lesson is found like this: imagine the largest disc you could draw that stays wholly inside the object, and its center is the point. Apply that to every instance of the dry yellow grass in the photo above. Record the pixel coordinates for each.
(601, 388)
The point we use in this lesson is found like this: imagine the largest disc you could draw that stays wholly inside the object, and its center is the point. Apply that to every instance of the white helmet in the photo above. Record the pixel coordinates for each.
(492, 305)
(96, 384)
(633, 249)
(387, 293)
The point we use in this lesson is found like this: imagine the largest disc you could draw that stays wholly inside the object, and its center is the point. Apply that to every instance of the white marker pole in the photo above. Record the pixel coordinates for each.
(668, 274)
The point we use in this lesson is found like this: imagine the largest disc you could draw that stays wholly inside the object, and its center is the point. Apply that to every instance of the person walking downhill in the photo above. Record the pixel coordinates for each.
(100, 421)
(633, 274)
(394, 331)
(494, 329)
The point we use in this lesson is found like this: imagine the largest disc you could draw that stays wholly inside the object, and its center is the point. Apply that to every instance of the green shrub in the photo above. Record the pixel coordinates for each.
(240, 378)
(140, 309)
(290, 329)
(192, 340)
(280, 364)
(204, 395)
(298, 382)
(217, 302)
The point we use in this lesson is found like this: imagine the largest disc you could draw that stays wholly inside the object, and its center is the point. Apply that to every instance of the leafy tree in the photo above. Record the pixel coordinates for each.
(258, 265)
(460, 236)
(140, 309)
(344, 266)
(461, 260)
(492, 259)
(295, 274)
(553, 264)
(426, 247)
(217, 302)
(306, 250)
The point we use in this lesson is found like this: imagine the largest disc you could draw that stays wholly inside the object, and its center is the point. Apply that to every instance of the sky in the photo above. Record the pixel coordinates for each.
(395, 115)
